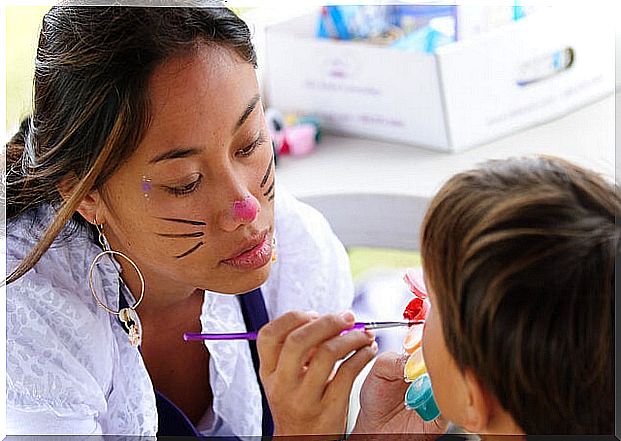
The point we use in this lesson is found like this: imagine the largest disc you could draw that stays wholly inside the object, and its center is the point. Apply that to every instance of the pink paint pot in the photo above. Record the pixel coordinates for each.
(416, 282)
(301, 139)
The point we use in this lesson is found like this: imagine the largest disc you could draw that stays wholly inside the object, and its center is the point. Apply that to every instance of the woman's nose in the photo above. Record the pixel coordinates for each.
(241, 212)
(245, 210)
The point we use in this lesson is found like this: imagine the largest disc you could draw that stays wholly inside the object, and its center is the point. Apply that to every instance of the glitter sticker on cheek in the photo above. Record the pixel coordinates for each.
(146, 186)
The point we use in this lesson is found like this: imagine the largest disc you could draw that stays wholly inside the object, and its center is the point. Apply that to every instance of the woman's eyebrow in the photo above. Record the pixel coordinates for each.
(249, 108)
(184, 153)
(174, 154)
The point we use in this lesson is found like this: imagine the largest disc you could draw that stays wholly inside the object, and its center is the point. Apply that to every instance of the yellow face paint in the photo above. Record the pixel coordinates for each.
(415, 366)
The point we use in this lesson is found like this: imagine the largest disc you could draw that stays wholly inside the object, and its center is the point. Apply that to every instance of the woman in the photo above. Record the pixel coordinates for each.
(140, 194)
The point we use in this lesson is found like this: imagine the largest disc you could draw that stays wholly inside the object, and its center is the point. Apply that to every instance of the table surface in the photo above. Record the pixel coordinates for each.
(365, 187)
(353, 165)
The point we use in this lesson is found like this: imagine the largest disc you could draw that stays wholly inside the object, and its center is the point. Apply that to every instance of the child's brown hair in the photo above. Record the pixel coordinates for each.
(521, 257)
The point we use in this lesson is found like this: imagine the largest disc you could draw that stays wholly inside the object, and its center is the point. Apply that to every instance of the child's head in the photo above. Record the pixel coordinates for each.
(519, 258)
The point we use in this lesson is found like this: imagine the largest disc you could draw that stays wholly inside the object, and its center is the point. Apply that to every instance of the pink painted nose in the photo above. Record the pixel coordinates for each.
(246, 210)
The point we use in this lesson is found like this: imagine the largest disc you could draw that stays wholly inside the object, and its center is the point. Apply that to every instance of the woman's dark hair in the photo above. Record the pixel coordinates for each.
(521, 257)
(91, 106)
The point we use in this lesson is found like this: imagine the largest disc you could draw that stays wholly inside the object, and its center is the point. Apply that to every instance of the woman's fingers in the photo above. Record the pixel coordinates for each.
(273, 335)
(326, 355)
(298, 355)
(343, 381)
(302, 340)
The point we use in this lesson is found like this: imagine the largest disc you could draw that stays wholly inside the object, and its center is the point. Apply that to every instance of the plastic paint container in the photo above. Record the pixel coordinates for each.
(415, 366)
(413, 339)
(419, 397)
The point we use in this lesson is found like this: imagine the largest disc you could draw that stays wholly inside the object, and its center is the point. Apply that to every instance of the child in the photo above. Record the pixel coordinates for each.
(519, 259)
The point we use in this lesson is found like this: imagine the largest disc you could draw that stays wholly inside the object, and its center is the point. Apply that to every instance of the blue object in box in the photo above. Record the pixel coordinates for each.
(419, 397)
(426, 40)
(403, 14)
(352, 22)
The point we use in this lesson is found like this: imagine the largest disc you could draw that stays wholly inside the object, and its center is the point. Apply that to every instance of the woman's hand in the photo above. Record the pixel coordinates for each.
(382, 408)
(307, 393)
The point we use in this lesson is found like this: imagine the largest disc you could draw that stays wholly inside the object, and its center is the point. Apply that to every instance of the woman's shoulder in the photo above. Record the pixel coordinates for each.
(58, 284)
(24, 231)
(61, 273)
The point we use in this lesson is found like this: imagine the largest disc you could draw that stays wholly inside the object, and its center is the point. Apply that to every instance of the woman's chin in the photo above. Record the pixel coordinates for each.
(240, 284)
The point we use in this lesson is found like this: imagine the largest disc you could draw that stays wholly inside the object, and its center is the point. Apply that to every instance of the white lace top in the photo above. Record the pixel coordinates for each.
(71, 369)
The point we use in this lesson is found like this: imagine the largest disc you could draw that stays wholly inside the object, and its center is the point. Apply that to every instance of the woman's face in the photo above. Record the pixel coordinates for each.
(194, 205)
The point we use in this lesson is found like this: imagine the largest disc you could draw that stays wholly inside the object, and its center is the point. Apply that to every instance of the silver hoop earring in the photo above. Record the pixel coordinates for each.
(127, 315)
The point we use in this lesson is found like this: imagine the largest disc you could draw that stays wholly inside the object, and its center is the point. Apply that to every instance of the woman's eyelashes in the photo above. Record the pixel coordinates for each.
(185, 189)
(182, 190)
(249, 150)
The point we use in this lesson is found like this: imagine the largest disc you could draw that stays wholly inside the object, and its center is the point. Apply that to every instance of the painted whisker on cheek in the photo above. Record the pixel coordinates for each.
(192, 234)
(181, 235)
(267, 172)
(191, 250)
(269, 190)
(183, 221)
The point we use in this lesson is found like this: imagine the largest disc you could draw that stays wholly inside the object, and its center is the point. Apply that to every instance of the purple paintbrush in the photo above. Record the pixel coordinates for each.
(358, 326)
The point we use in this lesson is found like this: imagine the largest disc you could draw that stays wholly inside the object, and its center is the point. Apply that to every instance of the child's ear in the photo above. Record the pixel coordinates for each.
(91, 206)
(478, 405)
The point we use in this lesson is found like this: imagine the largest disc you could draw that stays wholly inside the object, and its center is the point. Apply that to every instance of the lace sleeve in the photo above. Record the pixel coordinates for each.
(59, 358)
(36, 423)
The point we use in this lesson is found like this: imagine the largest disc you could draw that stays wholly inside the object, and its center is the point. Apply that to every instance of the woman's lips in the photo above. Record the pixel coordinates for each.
(254, 258)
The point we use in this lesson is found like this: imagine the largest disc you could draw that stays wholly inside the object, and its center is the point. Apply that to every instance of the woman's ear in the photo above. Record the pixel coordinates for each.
(91, 206)
(479, 405)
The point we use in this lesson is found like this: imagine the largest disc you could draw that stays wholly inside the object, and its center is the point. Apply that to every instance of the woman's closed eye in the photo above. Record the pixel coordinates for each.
(248, 150)
(184, 189)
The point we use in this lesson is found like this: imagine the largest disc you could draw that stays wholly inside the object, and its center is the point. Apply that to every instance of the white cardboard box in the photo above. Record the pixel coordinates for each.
(465, 94)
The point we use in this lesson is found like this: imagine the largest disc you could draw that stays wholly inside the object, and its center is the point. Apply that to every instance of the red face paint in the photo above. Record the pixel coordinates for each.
(418, 306)
(416, 310)
(246, 210)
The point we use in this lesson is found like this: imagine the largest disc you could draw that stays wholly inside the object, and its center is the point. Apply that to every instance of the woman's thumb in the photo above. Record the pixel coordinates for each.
(390, 366)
